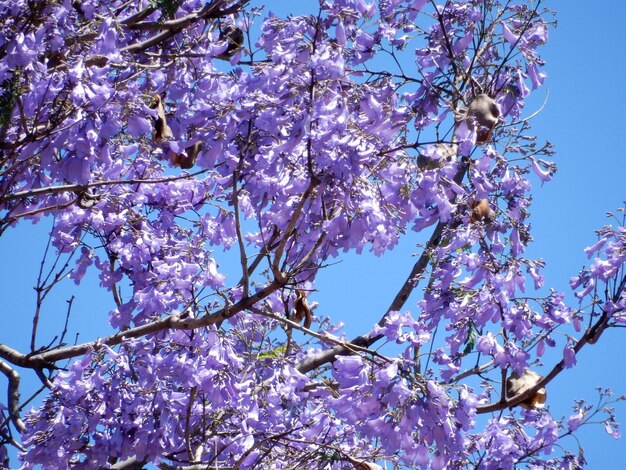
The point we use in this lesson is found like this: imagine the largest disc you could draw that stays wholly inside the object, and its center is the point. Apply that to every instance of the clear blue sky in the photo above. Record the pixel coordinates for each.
(586, 59)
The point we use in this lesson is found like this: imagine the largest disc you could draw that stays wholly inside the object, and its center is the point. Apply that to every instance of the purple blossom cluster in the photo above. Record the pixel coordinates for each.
(176, 142)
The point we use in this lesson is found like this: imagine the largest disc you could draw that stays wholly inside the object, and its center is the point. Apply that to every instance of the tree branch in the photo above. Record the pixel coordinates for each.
(173, 27)
(82, 187)
(48, 358)
(13, 395)
(316, 360)
(591, 336)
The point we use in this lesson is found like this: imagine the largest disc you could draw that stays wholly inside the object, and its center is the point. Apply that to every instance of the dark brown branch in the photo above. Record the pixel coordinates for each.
(591, 336)
(192, 398)
(139, 16)
(13, 395)
(243, 258)
(82, 187)
(173, 27)
(351, 347)
(266, 249)
(48, 358)
(315, 361)
(292, 223)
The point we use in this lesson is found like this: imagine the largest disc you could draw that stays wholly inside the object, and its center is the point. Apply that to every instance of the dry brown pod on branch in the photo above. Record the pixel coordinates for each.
(517, 384)
(96, 60)
(302, 309)
(161, 130)
(483, 114)
(187, 159)
(482, 212)
(367, 466)
(443, 154)
(234, 36)
(86, 199)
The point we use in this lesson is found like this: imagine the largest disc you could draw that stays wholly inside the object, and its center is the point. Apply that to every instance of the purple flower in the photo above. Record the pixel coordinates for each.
(569, 356)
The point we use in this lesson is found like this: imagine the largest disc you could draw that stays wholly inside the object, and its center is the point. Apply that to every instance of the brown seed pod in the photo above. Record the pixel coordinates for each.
(482, 212)
(367, 466)
(86, 199)
(56, 60)
(234, 36)
(517, 384)
(187, 159)
(482, 115)
(302, 309)
(445, 152)
(96, 60)
(161, 130)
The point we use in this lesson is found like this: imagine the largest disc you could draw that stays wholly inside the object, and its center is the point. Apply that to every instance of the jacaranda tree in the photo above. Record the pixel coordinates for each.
(172, 142)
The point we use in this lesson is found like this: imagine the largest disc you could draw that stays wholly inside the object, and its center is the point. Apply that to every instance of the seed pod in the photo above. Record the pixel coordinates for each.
(161, 130)
(86, 200)
(234, 37)
(517, 384)
(367, 466)
(187, 159)
(56, 60)
(302, 309)
(482, 212)
(444, 152)
(482, 115)
(97, 60)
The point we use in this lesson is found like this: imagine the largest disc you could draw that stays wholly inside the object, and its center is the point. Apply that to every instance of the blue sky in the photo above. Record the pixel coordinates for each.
(586, 64)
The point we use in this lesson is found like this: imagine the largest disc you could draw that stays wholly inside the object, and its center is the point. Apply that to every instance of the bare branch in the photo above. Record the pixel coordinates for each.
(129, 464)
(13, 398)
(173, 27)
(292, 223)
(66, 188)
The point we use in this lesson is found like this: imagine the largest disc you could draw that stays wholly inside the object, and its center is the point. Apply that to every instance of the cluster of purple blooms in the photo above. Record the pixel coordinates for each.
(314, 135)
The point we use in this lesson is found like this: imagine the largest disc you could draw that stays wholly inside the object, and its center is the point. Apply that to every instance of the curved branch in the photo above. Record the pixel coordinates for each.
(13, 398)
(590, 337)
(292, 224)
(82, 187)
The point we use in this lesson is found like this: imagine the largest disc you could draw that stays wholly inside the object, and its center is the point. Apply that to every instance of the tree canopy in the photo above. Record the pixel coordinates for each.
(208, 159)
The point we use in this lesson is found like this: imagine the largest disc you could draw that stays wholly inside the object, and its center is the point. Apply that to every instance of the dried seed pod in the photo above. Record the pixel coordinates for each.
(86, 200)
(443, 154)
(302, 309)
(161, 130)
(517, 384)
(187, 159)
(56, 60)
(482, 114)
(367, 466)
(482, 212)
(234, 36)
(97, 60)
